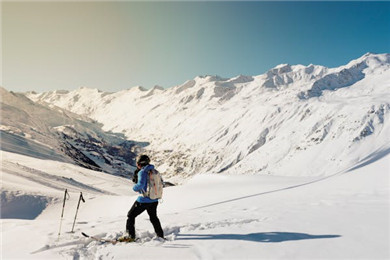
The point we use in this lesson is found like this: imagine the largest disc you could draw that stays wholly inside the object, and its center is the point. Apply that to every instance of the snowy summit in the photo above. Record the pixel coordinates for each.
(241, 125)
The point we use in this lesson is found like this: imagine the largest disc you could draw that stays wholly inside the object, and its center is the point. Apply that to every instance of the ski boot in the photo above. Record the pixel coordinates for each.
(126, 238)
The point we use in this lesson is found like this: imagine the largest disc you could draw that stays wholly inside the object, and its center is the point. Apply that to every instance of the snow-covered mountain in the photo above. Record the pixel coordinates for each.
(54, 133)
(292, 120)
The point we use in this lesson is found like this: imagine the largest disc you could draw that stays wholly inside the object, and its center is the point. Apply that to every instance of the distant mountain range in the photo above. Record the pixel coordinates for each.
(293, 120)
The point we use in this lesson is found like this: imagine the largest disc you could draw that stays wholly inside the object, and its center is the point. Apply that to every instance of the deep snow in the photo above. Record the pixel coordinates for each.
(290, 164)
(345, 215)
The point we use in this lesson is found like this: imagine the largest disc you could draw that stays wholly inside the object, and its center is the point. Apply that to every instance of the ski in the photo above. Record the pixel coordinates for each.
(102, 240)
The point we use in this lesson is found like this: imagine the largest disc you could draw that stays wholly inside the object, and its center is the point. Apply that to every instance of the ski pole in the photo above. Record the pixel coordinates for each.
(62, 214)
(81, 198)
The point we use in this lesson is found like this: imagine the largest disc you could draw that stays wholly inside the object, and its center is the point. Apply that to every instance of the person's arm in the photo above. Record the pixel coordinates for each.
(141, 181)
(135, 175)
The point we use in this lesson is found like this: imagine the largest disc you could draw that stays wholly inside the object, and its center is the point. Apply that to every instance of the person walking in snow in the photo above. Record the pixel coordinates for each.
(142, 203)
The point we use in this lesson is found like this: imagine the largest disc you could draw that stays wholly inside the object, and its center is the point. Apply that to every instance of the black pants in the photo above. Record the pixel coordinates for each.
(137, 209)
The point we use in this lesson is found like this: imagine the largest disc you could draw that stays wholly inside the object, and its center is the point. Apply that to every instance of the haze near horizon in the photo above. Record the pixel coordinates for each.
(115, 46)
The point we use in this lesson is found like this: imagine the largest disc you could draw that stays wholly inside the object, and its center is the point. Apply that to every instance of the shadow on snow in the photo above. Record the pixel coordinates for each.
(266, 237)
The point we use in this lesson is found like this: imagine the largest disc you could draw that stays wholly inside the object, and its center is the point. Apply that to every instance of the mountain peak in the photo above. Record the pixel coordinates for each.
(280, 69)
(157, 87)
(90, 89)
(210, 78)
(370, 60)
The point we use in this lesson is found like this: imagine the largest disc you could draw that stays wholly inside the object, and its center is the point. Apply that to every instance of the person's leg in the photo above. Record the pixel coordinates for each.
(152, 211)
(135, 210)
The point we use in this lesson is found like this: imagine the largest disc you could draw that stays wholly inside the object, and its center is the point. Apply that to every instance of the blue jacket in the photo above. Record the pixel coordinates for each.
(142, 184)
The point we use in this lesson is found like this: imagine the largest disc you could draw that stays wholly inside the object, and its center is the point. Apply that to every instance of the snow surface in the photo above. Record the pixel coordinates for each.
(342, 216)
(291, 164)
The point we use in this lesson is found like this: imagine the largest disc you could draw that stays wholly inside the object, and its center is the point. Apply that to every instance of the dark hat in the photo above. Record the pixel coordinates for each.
(143, 160)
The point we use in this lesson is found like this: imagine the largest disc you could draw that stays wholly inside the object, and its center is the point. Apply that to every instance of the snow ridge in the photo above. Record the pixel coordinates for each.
(251, 124)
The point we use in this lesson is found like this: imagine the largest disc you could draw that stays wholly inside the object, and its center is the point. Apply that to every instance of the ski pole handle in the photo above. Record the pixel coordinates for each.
(62, 213)
(81, 198)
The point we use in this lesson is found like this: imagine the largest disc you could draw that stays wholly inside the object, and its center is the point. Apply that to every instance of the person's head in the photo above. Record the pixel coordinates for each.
(143, 160)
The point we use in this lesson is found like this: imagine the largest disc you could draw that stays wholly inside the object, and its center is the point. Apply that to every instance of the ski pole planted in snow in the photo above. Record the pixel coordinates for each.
(81, 198)
(62, 214)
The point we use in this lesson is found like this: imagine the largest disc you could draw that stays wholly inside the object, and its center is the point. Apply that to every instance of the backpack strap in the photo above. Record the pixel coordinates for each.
(154, 183)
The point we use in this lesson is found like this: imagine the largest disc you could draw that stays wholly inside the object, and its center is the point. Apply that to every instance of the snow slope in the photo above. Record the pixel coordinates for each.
(343, 216)
(329, 118)
(53, 133)
(304, 152)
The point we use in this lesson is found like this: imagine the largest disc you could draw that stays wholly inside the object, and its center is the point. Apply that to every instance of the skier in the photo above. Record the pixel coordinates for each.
(142, 203)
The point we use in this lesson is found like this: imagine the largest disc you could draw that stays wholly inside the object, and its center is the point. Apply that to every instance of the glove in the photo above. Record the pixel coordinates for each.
(135, 175)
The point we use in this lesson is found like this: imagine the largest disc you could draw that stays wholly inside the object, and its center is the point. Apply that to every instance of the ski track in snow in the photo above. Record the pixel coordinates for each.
(85, 248)
(55, 182)
(212, 230)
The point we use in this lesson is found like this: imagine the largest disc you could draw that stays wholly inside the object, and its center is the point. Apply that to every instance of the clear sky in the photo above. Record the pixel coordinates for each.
(117, 45)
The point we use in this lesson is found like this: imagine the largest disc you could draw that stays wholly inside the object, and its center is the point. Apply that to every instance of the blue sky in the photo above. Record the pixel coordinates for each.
(117, 45)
